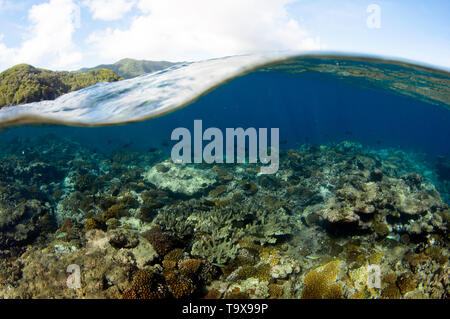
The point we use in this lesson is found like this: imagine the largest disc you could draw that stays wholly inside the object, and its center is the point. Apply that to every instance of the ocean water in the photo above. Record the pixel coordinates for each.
(363, 181)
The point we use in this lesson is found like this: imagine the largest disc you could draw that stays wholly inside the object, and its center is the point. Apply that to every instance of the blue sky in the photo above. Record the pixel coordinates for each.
(69, 34)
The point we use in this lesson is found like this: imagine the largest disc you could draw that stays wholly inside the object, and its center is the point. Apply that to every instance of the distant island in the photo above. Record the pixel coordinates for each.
(129, 68)
(24, 83)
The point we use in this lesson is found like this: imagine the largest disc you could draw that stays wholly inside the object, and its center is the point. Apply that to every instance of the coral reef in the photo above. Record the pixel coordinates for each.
(140, 226)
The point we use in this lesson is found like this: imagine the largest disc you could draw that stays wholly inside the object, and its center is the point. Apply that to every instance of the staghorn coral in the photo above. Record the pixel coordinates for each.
(269, 226)
(174, 220)
(215, 249)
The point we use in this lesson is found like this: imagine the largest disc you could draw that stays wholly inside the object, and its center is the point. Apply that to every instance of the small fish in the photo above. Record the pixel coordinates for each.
(392, 237)
(312, 257)
(283, 142)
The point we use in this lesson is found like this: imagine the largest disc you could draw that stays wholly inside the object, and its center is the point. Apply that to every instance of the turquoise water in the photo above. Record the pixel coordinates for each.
(364, 151)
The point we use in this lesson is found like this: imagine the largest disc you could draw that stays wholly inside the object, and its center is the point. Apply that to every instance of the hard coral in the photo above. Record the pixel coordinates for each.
(93, 223)
(172, 258)
(115, 211)
(87, 182)
(128, 201)
(145, 285)
(320, 282)
(179, 285)
(391, 292)
(189, 267)
(161, 241)
(213, 294)
(261, 272)
(406, 283)
(219, 190)
(248, 187)
(275, 291)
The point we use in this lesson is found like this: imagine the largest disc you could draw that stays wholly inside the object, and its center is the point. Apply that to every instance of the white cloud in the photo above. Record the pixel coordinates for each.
(190, 30)
(49, 39)
(109, 9)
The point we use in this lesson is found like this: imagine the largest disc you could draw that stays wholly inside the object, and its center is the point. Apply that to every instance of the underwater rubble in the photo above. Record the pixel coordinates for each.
(142, 227)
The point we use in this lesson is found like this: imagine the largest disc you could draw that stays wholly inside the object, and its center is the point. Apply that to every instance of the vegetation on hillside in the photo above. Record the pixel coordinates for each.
(129, 68)
(24, 83)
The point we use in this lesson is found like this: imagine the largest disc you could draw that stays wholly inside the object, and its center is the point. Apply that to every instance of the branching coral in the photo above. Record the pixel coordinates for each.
(215, 249)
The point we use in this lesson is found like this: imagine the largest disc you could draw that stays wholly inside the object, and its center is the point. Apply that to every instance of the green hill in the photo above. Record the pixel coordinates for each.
(24, 83)
(129, 68)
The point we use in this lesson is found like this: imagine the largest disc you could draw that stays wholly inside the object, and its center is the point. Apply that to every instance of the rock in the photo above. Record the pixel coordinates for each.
(144, 254)
(181, 178)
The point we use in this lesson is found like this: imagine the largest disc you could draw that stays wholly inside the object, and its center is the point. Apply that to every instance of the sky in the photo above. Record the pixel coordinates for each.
(70, 34)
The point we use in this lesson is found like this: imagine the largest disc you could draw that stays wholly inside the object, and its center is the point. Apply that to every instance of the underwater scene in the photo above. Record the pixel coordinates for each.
(252, 176)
